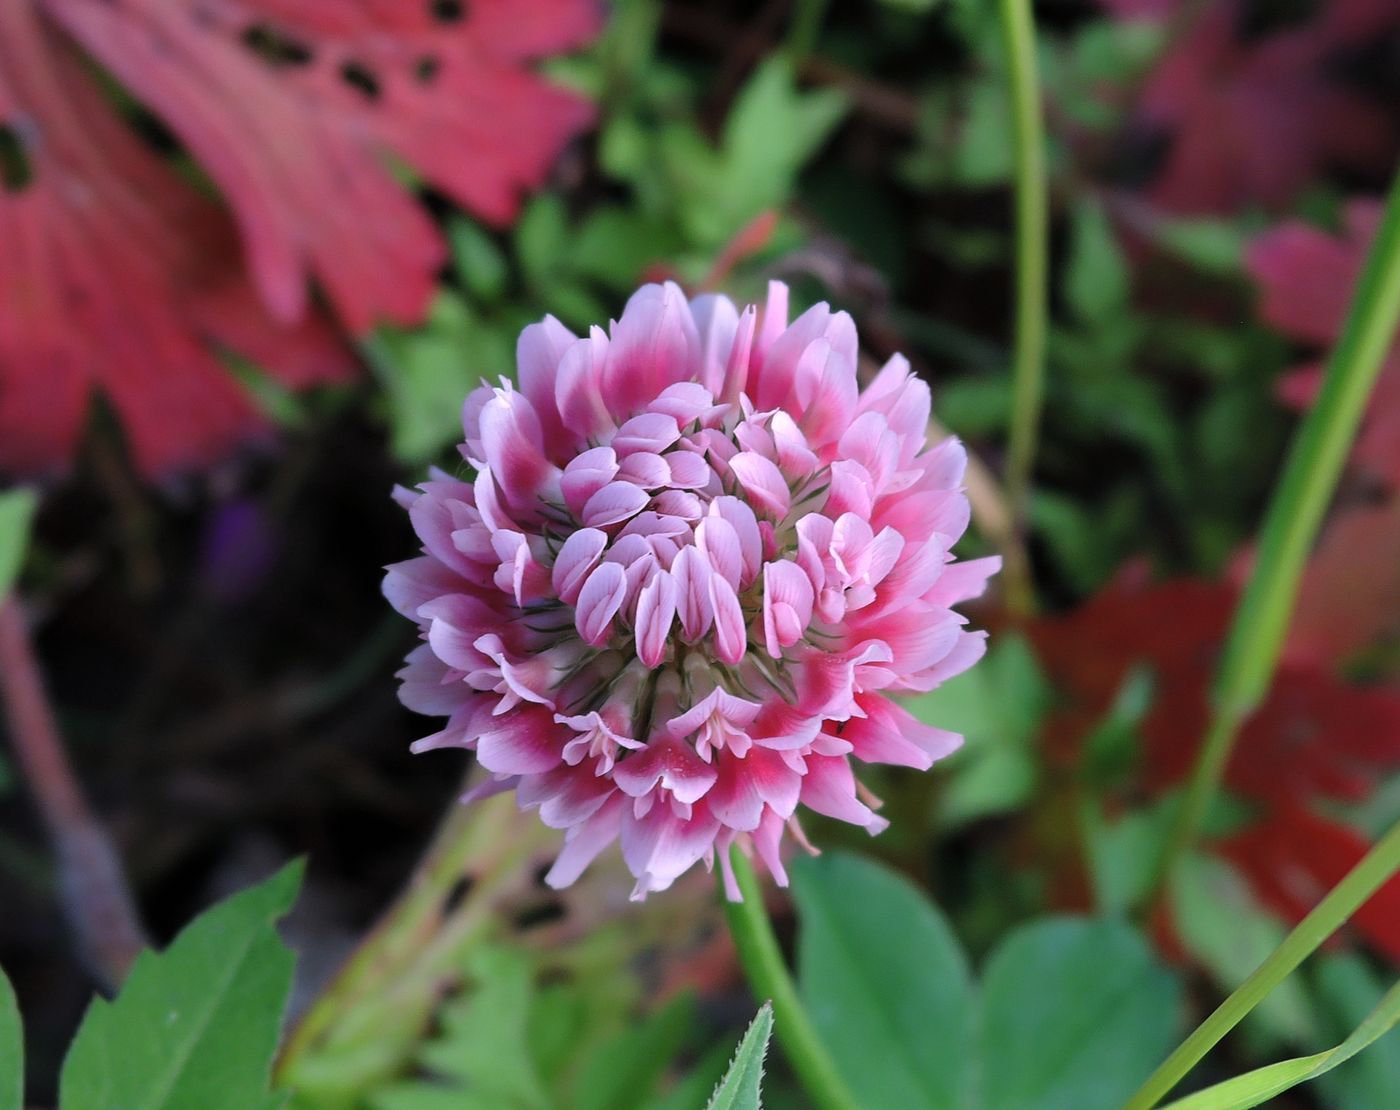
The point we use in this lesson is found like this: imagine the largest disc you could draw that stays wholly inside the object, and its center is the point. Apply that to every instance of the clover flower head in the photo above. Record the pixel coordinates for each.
(694, 568)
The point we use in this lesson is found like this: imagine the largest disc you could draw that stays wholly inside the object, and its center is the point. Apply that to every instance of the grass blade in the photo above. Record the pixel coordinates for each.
(1264, 1083)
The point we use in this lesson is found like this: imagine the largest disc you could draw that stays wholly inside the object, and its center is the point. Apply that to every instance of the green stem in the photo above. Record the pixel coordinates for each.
(1379, 864)
(769, 979)
(1032, 234)
(1295, 512)
(359, 1029)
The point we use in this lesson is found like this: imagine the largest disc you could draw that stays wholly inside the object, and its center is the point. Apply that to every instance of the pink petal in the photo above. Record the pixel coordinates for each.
(645, 469)
(762, 481)
(692, 574)
(670, 764)
(730, 635)
(578, 388)
(598, 602)
(659, 847)
(653, 345)
(585, 842)
(718, 541)
(585, 475)
(538, 353)
(745, 526)
(656, 609)
(513, 445)
(578, 556)
(829, 787)
(415, 582)
(614, 503)
(525, 741)
(963, 581)
(689, 470)
(787, 605)
(735, 800)
(717, 321)
(651, 431)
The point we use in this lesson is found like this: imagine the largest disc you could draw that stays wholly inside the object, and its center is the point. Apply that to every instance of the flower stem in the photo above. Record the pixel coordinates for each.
(1377, 866)
(769, 979)
(1295, 512)
(1032, 232)
(96, 897)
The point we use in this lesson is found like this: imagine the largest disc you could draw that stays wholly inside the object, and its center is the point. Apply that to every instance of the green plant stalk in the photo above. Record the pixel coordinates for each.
(769, 979)
(366, 1019)
(1378, 865)
(1295, 513)
(1032, 252)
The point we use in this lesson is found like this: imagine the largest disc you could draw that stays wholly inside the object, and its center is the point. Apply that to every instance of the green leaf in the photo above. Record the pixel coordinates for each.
(1262, 1084)
(620, 1073)
(16, 514)
(11, 1049)
(1096, 274)
(885, 983)
(1213, 246)
(742, 1085)
(485, 1043)
(998, 707)
(1074, 1014)
(771, 132)
(480, 264)
(1227, 931)
(541, 238)
(1121, 852)
(195, 1025)
(426, 373)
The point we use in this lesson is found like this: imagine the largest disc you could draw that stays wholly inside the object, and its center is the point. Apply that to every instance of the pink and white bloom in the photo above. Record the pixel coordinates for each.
(693, 572)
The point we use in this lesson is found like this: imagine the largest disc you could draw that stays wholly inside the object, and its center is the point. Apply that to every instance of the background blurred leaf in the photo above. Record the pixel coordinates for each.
(197, 1024)
(428, 372)
(998, 707)
(771, 131)
(11, 1049)
(480, 264)
(16, 514)
(742, 1085)
(1075, 1013)
(1096, 274)
(514, 1041)
(1347, 989)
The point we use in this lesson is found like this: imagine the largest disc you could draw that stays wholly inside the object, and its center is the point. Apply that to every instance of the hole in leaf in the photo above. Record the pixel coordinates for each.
(448, 11)
(425, 69)
(541, 913)
(15, 170)
(460, 889)
(361, 79)
(275, 48)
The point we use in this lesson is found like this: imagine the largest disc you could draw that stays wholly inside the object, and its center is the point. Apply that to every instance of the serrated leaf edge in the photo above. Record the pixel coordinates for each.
(765, 1018)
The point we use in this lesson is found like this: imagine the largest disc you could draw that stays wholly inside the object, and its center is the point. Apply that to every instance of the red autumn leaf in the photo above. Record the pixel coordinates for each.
(1251, 119)
(1306, 277)
(1315, 737)
(292, 107)
(121, 277)
(1350, 596)
(117, 274)
(1294, 856)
